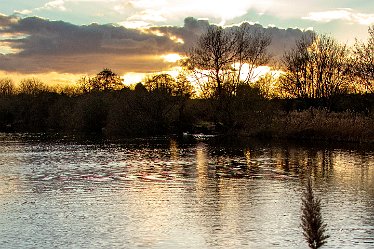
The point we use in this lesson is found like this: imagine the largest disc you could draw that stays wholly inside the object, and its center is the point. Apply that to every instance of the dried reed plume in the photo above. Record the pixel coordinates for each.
(312, 223)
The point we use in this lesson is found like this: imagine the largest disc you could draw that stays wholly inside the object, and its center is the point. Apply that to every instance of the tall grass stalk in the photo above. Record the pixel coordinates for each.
(314, 229)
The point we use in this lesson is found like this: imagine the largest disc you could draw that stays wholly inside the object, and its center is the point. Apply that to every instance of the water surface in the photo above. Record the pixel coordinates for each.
(170, 193)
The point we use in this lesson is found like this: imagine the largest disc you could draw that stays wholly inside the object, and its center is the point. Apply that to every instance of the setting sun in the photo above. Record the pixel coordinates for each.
(171, 57)
(186, 124)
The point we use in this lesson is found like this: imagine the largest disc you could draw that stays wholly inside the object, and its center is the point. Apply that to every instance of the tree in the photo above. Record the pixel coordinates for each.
(85, 84)
(108, 80)
(267, 85)
(316, 68)
(224, 58)
(184, 87)
(165, 83)
(103, 81)
(311, 220)
(32, 86)
(6, 87)
(168, 96)
(363, 62)
(162, 83)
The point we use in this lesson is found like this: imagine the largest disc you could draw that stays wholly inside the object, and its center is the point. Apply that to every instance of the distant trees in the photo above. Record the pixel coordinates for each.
(160, 83)
(224, 58)
(165, 83)
(363, 62)
(169, 96)
(6, 87)
(316, 68)
(32, 86)
(103, 81)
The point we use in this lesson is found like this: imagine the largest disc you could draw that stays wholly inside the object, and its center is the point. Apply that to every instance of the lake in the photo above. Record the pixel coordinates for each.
(179, 193)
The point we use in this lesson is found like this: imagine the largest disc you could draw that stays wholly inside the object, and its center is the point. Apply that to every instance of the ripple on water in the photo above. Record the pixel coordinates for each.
(156, 194)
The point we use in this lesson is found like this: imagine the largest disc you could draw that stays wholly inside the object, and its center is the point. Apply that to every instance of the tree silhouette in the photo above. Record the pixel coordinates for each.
(316, 68)
(108, 80)
(363, 61)
(167, 84)
(218, 58)
(6, 87)
(32, 86)
(103, 81)
(162, 83)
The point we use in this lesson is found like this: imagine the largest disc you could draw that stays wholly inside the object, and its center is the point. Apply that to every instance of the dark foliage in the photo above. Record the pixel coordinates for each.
(141, 112)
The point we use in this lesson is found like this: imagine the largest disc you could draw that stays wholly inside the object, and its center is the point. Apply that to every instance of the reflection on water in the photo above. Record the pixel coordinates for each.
(165, 193)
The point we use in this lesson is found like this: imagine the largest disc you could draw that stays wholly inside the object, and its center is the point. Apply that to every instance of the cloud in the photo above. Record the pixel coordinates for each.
(23, 12)
(135, 24)
(56, 4)
(42, 36)
(7, 21)
(346, 14)
(43, 45)
(63, 5)
(221, 10)
(282, 39)
(40, 45)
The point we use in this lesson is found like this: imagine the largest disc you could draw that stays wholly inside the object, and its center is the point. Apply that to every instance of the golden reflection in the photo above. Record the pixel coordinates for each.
(8, 186)
(201, 158)
(10, 182)
(202, 167)
(152, 205)
(354, 170)
(247, 154)
(174, 151)
(345, 168)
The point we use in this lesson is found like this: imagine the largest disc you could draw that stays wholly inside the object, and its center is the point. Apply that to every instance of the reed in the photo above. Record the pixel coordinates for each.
(314, 229)
(324, 124)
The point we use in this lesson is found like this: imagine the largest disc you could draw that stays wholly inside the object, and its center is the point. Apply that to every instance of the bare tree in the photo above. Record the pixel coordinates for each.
(32, 86)
(267, 85)
(84, 84)
(6, 87)
(363, 62)
(316, 68)
(223, 58)
(184, 87)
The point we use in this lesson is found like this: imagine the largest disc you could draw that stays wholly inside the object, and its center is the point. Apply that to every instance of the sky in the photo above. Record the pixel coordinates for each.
(61, 40)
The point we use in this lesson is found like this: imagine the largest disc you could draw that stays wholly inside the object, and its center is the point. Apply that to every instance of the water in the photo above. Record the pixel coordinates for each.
(164, 193)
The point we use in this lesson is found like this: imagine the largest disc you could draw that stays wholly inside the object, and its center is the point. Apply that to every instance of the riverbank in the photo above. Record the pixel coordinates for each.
(134, 113)
(316, 124)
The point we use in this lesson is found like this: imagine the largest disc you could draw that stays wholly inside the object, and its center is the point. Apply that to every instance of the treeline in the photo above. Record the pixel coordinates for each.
(156, 109)
(323, 92)
(124, 112)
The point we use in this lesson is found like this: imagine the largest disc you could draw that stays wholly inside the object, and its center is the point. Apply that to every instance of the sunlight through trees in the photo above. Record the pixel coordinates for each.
(222, 59)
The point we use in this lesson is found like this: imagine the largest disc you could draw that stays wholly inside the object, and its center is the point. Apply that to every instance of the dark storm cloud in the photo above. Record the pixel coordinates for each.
(45, 46)
(44, 37)
(6, 20)
(282, 39)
